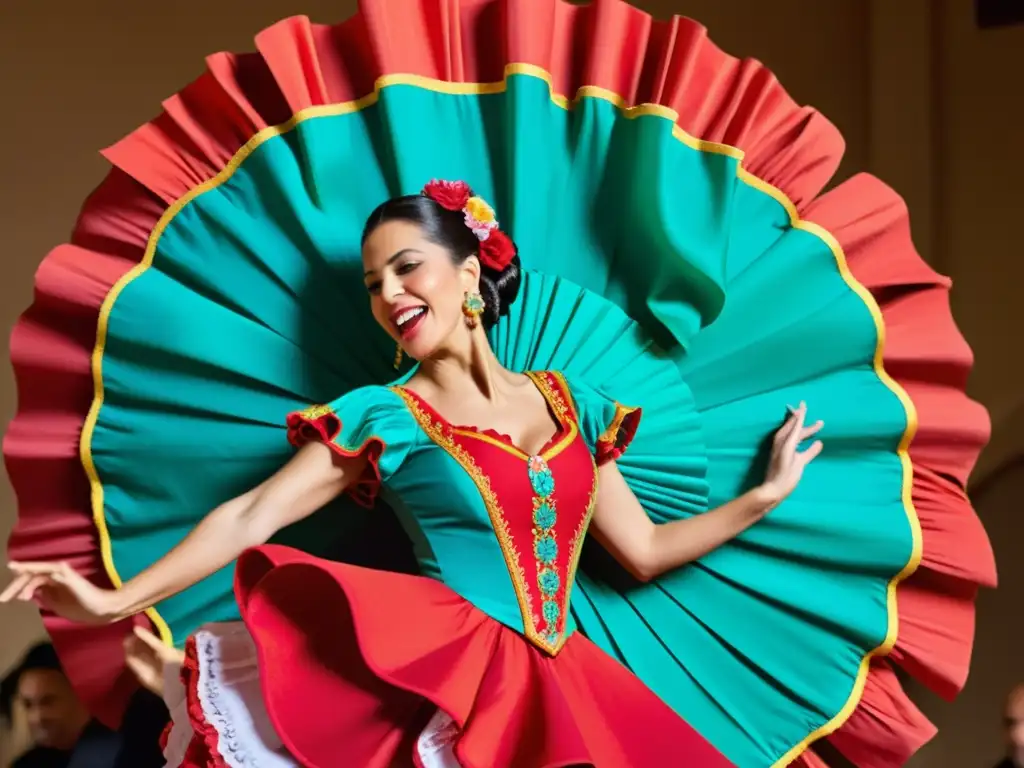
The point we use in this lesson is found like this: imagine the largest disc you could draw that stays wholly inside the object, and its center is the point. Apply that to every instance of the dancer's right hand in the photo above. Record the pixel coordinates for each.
(147, 657)
(59, 588)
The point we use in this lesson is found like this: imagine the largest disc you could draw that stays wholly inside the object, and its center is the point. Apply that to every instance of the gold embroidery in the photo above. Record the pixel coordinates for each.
(578, 538)
(315, 412)
(485, 438)
(610, 437)
(550, 453)
(553, 396)
(579, 535)
(437, 432)
(557, 403)
(565, 388)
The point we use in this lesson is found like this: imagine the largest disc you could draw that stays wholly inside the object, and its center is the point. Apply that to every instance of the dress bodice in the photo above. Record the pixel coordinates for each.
(501, 528)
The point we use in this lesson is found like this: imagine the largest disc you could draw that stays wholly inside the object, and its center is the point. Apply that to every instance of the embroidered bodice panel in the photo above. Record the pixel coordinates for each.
(502, 528)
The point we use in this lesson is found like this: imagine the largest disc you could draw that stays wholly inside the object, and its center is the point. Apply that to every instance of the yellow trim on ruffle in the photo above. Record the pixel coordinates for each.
(610, 437)
(314, 412)
(640, 110)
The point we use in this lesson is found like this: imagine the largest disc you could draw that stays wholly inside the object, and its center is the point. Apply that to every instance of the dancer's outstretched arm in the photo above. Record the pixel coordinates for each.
(647, 550)
(313, 477)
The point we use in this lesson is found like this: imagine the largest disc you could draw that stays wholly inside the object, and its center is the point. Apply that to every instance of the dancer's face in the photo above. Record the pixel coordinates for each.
(416, 290)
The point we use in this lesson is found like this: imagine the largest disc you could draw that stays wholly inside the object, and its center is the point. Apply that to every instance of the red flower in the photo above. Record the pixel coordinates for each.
(497, 251)
(452, 195)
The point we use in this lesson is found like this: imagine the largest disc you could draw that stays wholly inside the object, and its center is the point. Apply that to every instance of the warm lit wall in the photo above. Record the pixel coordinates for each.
(939, 127)
(970, 729)
(982, 198)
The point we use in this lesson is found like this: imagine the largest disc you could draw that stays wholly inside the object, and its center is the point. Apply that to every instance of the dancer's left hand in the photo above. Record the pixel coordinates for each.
(787, 463)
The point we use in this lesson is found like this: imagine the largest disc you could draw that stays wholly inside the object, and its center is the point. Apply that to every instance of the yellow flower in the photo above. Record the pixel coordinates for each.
(480, 210)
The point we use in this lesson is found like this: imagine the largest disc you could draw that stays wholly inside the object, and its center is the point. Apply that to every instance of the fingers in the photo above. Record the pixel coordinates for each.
(806, 457)
(45, 595)
(786, 429)
(783, 432)
(793, 438)
(812, 430)
(30, 578)
(39, 569)
(153, 642)
(142, 669)
(29, 590)
(143, 642)
(146, 672)
(793, 432)
(15, 587)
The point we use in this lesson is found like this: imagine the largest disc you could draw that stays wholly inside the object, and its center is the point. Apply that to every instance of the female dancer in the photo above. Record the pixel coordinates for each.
(535, 471)
(673, 253)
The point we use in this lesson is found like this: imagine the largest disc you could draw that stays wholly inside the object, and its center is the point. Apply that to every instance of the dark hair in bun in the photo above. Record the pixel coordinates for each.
(448, 229)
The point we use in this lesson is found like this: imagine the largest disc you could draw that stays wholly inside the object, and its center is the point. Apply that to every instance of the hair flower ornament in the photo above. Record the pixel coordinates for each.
(496, 249)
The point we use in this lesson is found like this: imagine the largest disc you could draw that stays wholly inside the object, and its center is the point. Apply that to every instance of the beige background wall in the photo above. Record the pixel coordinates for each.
(924, 99)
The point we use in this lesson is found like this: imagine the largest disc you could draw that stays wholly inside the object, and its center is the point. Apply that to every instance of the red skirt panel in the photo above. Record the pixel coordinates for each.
(355, 662)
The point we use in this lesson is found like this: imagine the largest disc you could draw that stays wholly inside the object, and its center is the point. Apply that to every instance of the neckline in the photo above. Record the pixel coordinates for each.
(565, 430)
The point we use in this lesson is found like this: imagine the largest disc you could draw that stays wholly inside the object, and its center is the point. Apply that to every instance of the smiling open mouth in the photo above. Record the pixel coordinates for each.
(409, 320)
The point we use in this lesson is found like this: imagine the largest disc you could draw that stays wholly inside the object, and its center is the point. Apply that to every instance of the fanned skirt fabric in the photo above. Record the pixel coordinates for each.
(665, 200)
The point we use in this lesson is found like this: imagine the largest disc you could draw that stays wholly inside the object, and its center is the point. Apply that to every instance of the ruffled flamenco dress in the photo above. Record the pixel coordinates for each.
(679, 257)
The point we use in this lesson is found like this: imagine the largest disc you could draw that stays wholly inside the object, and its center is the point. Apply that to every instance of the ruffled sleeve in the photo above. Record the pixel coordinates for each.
(370, 422)
(607, 426)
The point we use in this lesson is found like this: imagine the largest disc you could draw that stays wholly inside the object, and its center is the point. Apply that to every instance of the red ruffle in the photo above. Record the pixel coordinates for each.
(51, 347)
(612, 447)
(165, 735)
(808, 760)
(299, 65)
(203, 750)
(345, 683)
(929, 359)
(325, 429)
(302, 429)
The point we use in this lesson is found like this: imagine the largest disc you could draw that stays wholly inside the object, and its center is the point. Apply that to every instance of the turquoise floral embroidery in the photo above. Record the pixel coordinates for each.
(549, 582)
(543, 481)
(551, 611)
(544, 516)
(545, 547)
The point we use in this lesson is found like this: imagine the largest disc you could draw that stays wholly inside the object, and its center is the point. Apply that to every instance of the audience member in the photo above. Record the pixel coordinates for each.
(1013, 720)
(62, 731)
(60, 726)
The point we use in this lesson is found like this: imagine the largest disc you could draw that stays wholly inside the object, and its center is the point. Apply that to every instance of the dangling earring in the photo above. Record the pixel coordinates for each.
(398, 356)
(472, 308)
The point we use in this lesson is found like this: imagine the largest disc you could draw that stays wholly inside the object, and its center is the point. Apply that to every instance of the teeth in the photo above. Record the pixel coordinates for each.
(408, 315)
